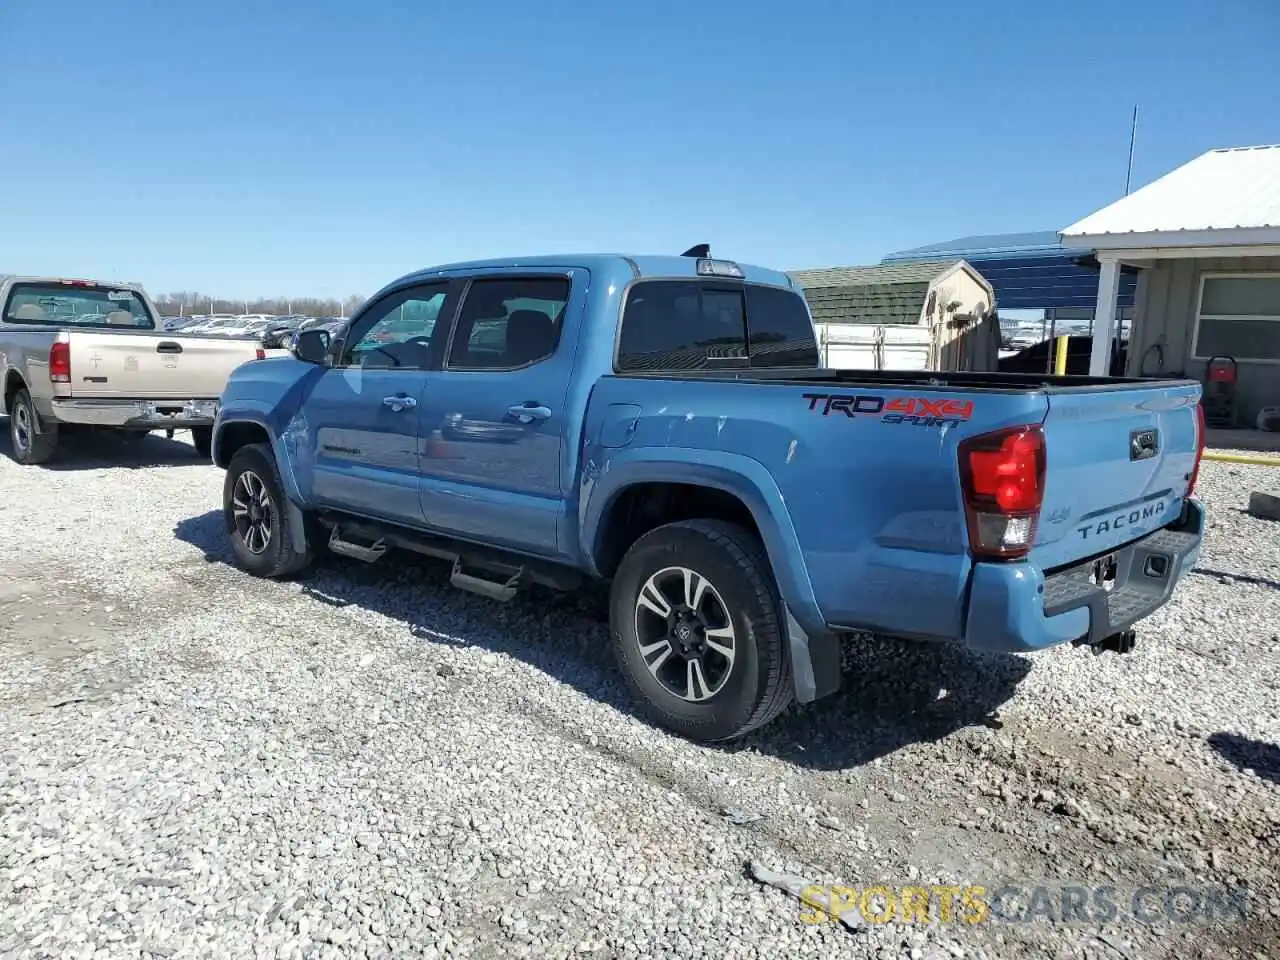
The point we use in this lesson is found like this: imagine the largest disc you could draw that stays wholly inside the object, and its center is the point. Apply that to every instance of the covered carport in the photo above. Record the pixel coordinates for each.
(1035, 271)
(1205, 239)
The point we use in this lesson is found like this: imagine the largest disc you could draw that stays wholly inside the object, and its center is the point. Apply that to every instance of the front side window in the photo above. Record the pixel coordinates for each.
(1240, 318)
(398, 332)
(509, 322)
(77, 305)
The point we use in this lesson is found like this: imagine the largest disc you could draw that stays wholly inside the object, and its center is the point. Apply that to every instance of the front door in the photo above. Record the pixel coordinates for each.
(494, 419)
(362, 417)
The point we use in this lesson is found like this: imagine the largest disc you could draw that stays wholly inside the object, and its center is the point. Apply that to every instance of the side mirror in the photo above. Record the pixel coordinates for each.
(311, 346)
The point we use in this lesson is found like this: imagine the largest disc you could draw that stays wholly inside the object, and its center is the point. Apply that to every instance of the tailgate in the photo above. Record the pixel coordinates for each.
(150, 366)
(1118, 463)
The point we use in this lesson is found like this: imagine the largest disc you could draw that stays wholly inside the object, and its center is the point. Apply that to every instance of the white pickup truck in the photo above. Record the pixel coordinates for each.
(83, 354)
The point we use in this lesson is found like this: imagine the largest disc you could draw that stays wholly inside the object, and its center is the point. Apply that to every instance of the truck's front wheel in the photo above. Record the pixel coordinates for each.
(254, 506)
(697, 630)
(29, 445)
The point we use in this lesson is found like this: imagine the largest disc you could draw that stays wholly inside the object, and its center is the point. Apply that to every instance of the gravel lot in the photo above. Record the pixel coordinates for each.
(367, 763)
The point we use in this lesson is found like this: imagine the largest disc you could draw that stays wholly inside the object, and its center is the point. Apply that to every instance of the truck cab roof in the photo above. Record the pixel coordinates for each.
(635, 267)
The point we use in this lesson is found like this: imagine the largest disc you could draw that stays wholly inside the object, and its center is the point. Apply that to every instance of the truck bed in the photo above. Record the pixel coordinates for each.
(927, 379)
(868, 469)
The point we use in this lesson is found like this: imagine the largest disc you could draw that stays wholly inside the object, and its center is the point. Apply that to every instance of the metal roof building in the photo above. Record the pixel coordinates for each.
(1223, 196)
(1206, 240)
(1029, 271)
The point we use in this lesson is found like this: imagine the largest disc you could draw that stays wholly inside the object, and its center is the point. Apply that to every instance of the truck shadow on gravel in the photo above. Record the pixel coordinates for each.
(1223, 576)
(894, 693)
(1256, 755)
(97, 451)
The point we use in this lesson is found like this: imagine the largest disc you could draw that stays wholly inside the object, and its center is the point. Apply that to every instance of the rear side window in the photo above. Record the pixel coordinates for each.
(779, 333)
(678, 325)
(76, 305)
(689, 325)
(508, 323)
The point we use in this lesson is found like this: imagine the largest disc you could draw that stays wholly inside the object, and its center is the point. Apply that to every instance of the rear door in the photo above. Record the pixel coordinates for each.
(362, 415)
(494, 420)
(1118, 463)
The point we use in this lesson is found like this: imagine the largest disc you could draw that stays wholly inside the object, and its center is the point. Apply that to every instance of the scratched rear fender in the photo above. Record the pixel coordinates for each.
(858, 489)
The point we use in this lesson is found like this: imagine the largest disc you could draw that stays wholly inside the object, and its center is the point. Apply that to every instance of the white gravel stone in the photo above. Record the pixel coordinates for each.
(368, 763)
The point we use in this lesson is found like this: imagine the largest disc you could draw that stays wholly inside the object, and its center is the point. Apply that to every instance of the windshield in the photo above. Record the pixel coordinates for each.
(68, 305)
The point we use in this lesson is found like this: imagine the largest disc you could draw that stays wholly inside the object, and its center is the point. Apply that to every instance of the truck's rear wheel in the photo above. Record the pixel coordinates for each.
(697, 630)
(29, 445)
(253, 505)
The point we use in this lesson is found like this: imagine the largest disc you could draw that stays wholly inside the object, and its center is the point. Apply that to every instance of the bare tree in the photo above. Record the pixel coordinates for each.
(186, 302)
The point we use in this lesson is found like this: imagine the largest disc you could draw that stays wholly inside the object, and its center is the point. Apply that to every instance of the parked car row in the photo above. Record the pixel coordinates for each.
(286, 335)
(273, 331)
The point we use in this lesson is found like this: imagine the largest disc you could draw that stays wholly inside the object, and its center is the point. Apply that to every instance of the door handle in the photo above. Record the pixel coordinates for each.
(400, 403)
(168, 346)
(528, 413)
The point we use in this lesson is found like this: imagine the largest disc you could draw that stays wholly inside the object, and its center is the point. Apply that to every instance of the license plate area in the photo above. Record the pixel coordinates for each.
(1102, 573)
(178, 409)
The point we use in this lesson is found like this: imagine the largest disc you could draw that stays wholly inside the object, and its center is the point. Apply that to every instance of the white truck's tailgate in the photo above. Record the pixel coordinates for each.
(153, 365)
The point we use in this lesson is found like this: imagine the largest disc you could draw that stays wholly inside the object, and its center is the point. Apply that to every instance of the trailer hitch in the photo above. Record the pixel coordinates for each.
(1122, 642)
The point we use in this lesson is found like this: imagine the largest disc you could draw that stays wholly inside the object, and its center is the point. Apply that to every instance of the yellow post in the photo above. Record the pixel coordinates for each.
(1060, 358)
(1238, 458)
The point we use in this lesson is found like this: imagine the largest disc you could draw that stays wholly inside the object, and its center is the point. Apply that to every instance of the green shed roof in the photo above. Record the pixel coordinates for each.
(885, 293)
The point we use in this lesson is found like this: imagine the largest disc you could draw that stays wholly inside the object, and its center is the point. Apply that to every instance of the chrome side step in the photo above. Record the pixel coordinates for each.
(485, 588)
(486, 571)
(357, 551)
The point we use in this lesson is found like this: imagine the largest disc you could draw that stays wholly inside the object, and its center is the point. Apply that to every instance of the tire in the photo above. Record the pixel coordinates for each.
(202, 440)
(29, 447)
(253, 481)
(730, 697)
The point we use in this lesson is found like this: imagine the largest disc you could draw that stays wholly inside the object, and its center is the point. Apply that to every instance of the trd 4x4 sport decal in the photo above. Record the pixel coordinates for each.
(916, 411)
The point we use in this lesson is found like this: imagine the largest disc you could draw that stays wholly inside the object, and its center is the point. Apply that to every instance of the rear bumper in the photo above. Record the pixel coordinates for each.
(1017, 608)
(135, 414)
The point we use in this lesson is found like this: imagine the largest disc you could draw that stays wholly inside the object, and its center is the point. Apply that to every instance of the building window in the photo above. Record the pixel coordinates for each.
(1239, 317)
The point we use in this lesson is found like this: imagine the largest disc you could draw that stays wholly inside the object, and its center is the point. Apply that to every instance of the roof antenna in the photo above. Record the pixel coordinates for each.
(1133, 137)
(701, 250)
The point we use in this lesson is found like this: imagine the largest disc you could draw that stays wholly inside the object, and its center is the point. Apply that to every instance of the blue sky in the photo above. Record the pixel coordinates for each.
(326, 147)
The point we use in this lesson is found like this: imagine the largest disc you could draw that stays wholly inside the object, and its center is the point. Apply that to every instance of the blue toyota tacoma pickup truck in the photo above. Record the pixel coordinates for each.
(662, 423)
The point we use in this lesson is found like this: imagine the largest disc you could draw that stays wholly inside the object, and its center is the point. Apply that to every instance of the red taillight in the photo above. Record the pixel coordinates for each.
(1195, 470)
(260, 354)
(60, 362)
(1002, 475)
